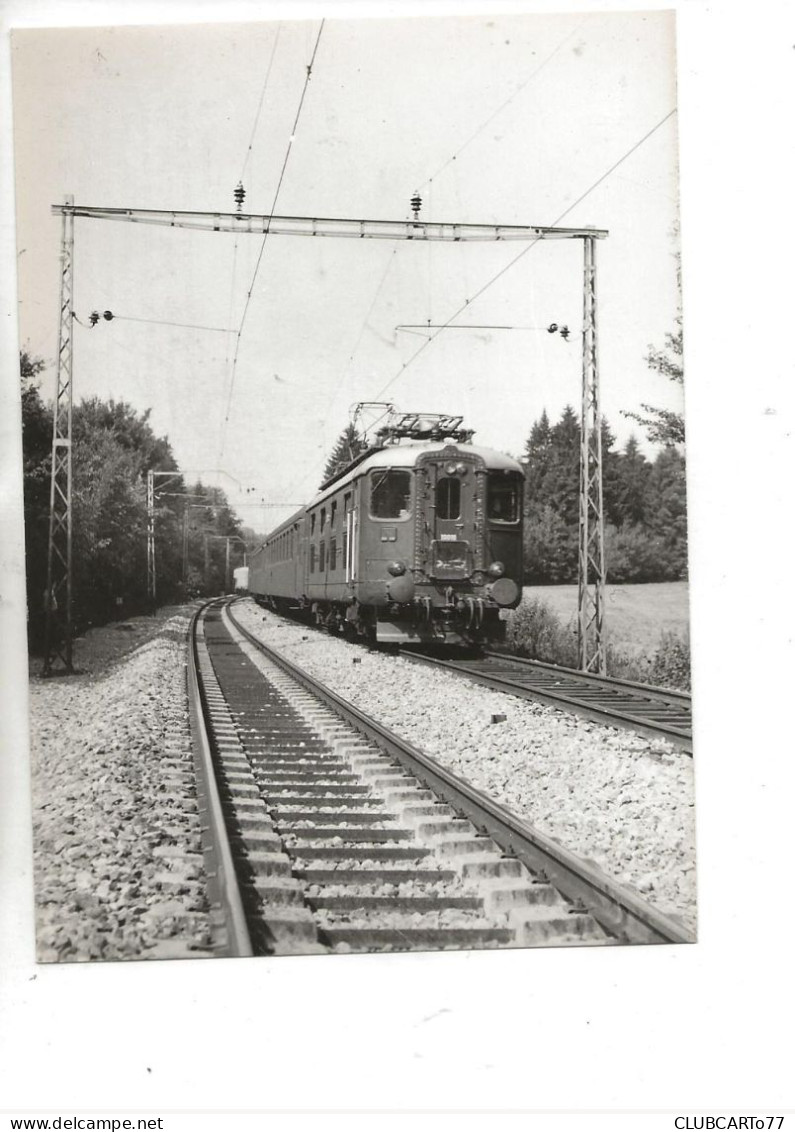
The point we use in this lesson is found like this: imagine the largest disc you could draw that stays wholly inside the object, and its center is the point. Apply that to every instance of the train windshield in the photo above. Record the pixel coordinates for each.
(390, 494)
(503, 499)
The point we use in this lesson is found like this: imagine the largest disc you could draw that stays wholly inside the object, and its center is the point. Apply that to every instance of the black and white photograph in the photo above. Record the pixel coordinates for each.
(395, 604)
(354, 486)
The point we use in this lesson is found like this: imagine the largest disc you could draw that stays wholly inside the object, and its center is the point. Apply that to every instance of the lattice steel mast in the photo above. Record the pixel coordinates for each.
(591, 573)
(58, 595)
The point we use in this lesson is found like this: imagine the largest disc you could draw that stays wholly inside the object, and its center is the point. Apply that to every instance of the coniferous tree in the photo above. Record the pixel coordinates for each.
(561, 484)
(666, 509)
(644, 505)
(551, 500)
(537, 458)
(611, 462)
(349, 445)
(632, 476)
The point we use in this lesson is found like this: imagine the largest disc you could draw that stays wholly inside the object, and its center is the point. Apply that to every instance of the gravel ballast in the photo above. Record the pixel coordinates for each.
(117, 844)
(616, 798)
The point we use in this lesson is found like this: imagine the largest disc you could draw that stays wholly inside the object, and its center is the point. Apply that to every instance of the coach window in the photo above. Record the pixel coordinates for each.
(332, 555)
(333, 513)
(390, 494)
(448, 499)
(503, 499)
(322, 520)
(312, 559)
(322, 557)
(312, 518)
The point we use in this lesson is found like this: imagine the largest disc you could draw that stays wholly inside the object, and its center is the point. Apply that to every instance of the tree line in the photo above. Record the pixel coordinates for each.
(113, 449)
(645, 507)
(645, 502)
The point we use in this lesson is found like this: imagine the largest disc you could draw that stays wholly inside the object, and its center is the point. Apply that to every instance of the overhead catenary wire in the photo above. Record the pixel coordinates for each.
(267, 229)
(468, 302)
(226, 356)
(261, 102)
(246, 159)
(343, 376)
(503, 105)
(165, 322)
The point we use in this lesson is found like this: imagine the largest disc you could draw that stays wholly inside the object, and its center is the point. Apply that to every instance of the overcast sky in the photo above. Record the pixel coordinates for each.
(492, 119)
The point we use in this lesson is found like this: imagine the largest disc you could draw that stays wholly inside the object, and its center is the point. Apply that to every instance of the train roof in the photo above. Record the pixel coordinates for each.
(406, 456)
(401, 456)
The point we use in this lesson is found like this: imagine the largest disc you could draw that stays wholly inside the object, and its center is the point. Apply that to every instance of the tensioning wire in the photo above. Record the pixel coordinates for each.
(530, 246)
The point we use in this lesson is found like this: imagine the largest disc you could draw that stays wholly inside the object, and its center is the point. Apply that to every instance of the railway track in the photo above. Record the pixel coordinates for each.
(656, 712)
(338, 836)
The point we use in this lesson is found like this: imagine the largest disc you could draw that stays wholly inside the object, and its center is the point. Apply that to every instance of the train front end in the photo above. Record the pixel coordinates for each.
(449, 533)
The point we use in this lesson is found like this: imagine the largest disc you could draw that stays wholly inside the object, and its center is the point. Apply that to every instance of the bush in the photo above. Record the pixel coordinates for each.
(535, 631)
(671, 665)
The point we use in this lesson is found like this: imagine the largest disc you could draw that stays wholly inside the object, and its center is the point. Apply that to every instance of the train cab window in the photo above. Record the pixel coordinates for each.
(503, 499)
(448, 499)
(390, 494)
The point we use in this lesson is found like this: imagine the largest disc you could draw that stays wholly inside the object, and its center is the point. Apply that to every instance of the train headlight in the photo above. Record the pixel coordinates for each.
(496, 570)
(396, 568)
(461, 469)
(450, 469)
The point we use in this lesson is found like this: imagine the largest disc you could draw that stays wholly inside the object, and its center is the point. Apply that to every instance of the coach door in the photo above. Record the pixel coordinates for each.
(451, 488)
(351, 541)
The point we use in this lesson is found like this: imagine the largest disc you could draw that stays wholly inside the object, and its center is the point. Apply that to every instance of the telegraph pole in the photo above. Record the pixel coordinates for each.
(58, 596)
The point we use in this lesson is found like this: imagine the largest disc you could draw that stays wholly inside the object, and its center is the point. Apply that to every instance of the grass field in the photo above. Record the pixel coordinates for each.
(635, 616)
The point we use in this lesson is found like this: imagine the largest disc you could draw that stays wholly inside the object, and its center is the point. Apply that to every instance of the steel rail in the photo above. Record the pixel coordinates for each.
(223, 888)
(653, 691)
(620, 911)
(598, 713)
